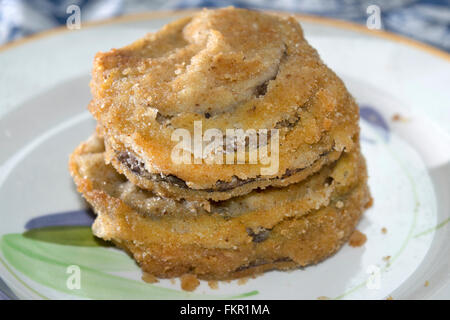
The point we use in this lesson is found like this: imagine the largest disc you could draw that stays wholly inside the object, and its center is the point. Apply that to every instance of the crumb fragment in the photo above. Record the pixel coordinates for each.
(339, 204)
(386, 258)
(242, 281)
(357, 239)
(398, 117)
(213, 285)
(189, 282)
(389, 298)
(149, 278)
(206, 205)
(383, 230)
(323, 298)
(427, 283)
(369, 204)
(172, 280)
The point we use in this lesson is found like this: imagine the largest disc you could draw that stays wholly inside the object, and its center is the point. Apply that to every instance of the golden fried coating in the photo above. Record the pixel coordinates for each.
(277, 228)
(215, 71)
(228, 68)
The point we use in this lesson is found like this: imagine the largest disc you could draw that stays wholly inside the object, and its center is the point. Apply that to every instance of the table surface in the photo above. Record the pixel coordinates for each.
(424, 20)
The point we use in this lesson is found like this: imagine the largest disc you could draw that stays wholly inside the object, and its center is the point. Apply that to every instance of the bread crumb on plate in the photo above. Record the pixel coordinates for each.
(213, 285)
(357, 239)
(189, 282)
(149, 278)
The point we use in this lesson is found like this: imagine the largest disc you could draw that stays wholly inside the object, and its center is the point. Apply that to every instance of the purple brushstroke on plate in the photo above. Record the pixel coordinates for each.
(83, 217)
(374, 118)
(3, 296)
(5, 292)
(368, 140)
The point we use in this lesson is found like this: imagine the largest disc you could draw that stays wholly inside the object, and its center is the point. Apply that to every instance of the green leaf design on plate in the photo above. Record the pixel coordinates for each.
(67, 235)
(44, 258)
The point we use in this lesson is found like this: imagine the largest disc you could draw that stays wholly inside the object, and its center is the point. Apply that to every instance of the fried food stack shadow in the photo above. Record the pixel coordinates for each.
(226, 68)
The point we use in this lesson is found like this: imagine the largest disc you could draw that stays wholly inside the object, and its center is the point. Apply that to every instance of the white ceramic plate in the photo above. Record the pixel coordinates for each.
(44, 224)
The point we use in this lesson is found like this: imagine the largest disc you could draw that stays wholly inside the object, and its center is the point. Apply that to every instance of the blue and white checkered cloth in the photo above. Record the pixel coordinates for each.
(423, 20)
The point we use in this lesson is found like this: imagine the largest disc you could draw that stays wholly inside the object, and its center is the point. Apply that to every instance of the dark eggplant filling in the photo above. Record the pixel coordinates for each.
(137, 167)
(259, 235)
(260, 263)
